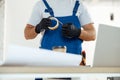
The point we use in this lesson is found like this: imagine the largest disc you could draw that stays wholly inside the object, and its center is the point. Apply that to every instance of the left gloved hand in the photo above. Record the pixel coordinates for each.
(70, 31)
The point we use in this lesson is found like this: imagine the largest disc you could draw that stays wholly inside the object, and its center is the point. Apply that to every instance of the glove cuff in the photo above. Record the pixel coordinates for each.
(37, 29)
(79, 32)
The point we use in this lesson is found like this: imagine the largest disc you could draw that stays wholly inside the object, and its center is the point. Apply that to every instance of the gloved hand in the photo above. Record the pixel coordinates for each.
(70, 31)
(43, 25)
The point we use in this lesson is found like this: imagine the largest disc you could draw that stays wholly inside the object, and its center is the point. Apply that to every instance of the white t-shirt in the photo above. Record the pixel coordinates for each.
(60, 8)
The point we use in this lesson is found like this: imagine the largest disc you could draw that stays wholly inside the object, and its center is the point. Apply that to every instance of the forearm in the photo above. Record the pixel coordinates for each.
(88, 34)
(29, 32)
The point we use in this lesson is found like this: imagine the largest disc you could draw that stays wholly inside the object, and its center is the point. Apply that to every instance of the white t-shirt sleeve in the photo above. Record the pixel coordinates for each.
(84, 16)
(35, 17)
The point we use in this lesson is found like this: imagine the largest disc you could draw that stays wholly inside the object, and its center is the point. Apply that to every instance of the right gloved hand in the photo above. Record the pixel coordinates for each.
(43, 25)
(69, 30)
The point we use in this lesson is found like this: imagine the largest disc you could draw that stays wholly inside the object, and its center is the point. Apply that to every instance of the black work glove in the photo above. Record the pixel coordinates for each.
(70, 31)
(43, 25)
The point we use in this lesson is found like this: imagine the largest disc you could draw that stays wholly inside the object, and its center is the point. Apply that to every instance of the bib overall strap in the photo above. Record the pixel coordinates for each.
(76, 7)
(49, 9)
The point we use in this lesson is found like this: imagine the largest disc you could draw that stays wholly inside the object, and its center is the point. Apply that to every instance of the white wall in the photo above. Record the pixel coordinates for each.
(17, 15)
(18, 12)
(1, 27)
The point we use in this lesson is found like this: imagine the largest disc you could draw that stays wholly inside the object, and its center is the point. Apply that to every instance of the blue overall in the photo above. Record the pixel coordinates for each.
(53, 38)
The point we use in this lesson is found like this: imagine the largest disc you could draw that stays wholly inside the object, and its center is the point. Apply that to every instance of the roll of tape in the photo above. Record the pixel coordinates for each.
(57, 24)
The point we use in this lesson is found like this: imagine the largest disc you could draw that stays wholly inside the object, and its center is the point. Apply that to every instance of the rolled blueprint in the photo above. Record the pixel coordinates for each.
(16, 55)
